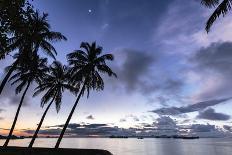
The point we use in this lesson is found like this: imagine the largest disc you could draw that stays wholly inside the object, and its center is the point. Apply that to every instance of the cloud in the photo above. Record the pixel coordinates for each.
(138, 73)
(165, 123)
(84, 130)
(162, 126)
(210, 114)
(133, 117)
(122, 120)
(135, 69)
(214, 63)
(190, 108)
(1, 110)
(206, 130)
(90, 117)
(9, 97)
(228, 128)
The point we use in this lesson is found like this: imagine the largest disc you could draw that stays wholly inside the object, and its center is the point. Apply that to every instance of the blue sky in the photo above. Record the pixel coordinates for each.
(164, 59)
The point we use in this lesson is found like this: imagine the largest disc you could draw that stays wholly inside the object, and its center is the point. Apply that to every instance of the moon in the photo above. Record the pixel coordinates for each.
(89, 10)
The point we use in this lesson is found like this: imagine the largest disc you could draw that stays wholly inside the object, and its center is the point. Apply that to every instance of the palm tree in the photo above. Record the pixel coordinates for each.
(35, 34)
(222, 8)
(12, 13)
(85, 69)
(55, 83)
(25, 76)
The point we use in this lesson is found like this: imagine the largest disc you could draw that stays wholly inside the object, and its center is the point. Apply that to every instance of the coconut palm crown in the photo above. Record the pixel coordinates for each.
(86, 68)
(54, 84)
(35, 34)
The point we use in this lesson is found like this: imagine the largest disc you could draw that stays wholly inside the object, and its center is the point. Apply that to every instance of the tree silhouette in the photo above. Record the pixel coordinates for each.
(12, 15)
(222, 8)
(54, 83)
(25, 75)
(35, 34)
(85, 68)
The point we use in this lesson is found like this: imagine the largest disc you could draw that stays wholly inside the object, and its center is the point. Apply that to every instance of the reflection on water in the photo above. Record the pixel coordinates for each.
(132, 146)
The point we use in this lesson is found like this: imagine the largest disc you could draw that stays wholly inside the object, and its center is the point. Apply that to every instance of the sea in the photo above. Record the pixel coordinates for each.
(146, 146)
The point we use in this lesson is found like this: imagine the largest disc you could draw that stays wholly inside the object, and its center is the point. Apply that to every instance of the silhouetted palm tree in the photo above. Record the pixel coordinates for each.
(85, 68)
(25, 76)
(222, 8)
(34, 35)
(12, 14)
(55, 83)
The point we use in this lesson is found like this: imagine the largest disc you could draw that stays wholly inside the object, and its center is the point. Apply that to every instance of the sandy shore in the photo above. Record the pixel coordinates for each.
(50, 151)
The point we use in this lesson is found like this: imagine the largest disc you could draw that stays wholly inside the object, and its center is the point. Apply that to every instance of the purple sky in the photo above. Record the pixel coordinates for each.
(165, 63)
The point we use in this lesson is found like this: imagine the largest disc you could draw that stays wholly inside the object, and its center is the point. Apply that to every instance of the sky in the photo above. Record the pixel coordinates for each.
(173, 77)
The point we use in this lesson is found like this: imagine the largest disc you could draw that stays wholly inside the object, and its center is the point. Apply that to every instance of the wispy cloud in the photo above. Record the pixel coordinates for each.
(190, 108)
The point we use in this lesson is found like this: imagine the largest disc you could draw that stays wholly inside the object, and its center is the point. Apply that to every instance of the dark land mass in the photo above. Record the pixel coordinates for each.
(162, 136)
(12, 137)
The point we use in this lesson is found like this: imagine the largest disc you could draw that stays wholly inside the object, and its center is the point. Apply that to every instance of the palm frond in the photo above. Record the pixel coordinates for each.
(222, 9)
(48, 49)
(106, 69)
(85, 66)
(210, 3)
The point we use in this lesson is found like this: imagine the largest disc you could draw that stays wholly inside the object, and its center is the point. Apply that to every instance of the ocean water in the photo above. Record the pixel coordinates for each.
(133, 146)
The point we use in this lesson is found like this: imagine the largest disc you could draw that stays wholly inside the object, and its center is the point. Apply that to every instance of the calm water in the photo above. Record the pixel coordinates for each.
(141, 146)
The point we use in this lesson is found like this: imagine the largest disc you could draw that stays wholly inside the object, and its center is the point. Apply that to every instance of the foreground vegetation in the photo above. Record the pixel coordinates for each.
(25, 36)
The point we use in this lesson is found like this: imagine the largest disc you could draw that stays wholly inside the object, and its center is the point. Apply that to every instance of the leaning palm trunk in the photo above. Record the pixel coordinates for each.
(69, 117)
(40, 124)
(4, 81)
(16, 116)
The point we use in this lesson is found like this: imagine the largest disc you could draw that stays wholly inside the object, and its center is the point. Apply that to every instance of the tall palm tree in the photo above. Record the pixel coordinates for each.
(55, 83)
(35, 34)
(85, 68)
(25, 76)
(222, 8)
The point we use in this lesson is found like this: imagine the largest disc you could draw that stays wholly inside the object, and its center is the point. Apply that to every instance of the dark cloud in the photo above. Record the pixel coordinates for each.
(217, 56)
(138, 74)
(202, 128)
(94, 125)
(207, 130)
(210, 114)
(71, 125)
(215, 62)
(84, 130)
(8, 95)
(1, 110)
(228, 128)
(162, 126)
(135, 68)
(190, 108)
(90, 117)
(165, 123)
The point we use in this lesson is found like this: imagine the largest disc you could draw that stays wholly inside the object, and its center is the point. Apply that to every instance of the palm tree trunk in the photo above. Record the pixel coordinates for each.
(69, 117)
(16, 116)
(40, 124)
(4, 81)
